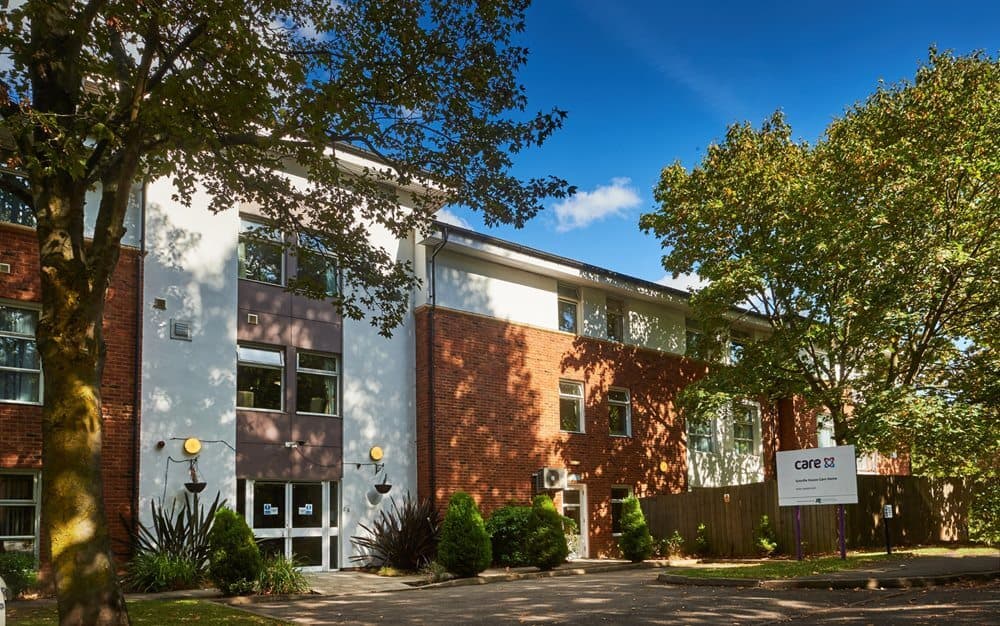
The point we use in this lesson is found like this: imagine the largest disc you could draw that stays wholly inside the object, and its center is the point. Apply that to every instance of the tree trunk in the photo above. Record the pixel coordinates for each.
(72, 349)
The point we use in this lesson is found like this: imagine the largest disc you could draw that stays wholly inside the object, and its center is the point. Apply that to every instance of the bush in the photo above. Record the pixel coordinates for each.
(702, 546)
(984, 514)
(235, 562)
(279, 576)
(509, 528)
(464, 547)
(157, 571)
(635, 542)
(404, 537)
(671, 546)
(765, 540)
(547, 543)
(18, 571)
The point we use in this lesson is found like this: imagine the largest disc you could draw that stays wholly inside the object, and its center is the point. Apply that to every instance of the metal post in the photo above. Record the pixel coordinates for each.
(888, 542)
(843, 538)
(798, 533)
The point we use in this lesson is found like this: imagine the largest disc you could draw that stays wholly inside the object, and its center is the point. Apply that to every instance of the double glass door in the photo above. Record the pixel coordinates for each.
(296, 519)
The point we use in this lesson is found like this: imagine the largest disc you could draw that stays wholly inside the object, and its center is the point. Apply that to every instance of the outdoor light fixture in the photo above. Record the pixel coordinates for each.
(195, 486)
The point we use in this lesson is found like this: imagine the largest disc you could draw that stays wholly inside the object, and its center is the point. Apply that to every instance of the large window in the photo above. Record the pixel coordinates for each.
(616, 320)
(261, 254)
(317, 267)
(259, 372)
(571, 406)
(569, 309)
(693, 339)
(701, 435)
(745, 424)
(618, 495)
(19, 512)
(619, 412)
(316, 384)
(738, 341)
(20, 365)
(13, 210)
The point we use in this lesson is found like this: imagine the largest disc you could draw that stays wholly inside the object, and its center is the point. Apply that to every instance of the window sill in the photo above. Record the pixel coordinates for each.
(334, 415)
(617, 436)
(262, 282)
(573, 432)
(21, 402)
(256, 410)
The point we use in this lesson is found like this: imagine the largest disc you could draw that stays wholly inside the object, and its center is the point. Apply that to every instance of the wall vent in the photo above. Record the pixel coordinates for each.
(180, 329)
(252, 319)
(160, 303)
(4, 268)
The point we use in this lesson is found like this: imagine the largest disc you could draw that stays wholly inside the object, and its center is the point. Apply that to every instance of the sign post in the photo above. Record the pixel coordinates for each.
(818, 476)
(886, 516)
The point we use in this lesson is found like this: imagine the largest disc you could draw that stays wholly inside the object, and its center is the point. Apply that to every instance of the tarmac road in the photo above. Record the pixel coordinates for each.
(634, 597)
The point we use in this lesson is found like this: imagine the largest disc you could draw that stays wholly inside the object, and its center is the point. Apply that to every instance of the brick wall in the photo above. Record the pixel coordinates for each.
(21, 425)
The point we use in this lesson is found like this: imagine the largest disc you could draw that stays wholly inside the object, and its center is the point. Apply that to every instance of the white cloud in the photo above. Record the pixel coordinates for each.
(446, 216)
(585, 207)
(684, 282)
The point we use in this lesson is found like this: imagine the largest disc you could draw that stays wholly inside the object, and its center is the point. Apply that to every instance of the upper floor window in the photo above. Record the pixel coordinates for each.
(824, 431)
(13, 210)
(20, 364)
(616, 320)
(571, 406)
(259, 375)
(317, 268)
(261, 254)
(316, 386)
(701, 435)
(569, 309)
(693, 338)
(619, 412)
(19, 512)
(746, 420)
(618, 495)
(738, 341)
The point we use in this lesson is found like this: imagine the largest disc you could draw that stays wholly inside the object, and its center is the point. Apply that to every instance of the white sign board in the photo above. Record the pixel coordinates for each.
(817, 476)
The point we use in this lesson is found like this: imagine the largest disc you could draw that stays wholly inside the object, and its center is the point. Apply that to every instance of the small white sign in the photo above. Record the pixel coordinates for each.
(270, 509)
(817, 476)
(306, 509)
(887, 511)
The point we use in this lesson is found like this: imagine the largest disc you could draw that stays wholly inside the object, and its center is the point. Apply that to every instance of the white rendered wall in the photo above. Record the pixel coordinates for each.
(655, 327)
(188, 387)
(724, 466)
(92, 205)
(379, 395)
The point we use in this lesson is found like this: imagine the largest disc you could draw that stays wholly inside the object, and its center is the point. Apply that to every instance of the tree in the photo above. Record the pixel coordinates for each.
(464, 547)
(871, 255)
(635, 542)
(223, 96)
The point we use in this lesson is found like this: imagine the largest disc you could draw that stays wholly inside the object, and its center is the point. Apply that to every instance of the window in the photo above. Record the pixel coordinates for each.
(259, 372)
(13, 210)
(701, 436)
(20, 365)
(317, 267)
(737, 345)
(316, 387)
(619, 412)
(569, 300)
(616, 320)
(261, 255)
(571, 406)
(745, 418)
(618, 495)
(824, 431)
(19, 512)
(693, 339)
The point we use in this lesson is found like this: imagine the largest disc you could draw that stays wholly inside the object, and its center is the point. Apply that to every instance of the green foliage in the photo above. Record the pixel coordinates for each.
(279, 576)
(161, 571)
(404, 537)
(702, 543)
(235, 561)
(872, 256)
(19, 571)
(765, 540)
(670, 547)
(181, 535)
(984, 514)
(547, 546)
(464, 545)
(635, 541)
(509, 528)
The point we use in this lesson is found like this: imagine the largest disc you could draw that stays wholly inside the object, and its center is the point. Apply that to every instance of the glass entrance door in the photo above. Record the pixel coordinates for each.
(574, 506)
(298, 520)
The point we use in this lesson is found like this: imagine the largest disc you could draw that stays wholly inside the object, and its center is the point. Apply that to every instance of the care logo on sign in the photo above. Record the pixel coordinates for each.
(816, 463)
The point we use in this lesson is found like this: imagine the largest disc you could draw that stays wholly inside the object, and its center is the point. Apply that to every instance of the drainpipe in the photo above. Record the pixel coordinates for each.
(137, 366)
(430, 369)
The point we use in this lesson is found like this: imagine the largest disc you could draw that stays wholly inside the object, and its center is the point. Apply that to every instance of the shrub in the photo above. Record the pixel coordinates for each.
(984, 513)
(509, 528)
(671, 546)
(157, 571)
(404, 537)
(547, 544)
(18, 571)
(764, 538)
(701, 542)
(181, 535)
(635, 542)
(235, 561)
(464, 546)
(279, 576)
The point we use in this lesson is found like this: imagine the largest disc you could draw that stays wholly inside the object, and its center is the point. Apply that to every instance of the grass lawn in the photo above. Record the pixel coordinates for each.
(153, 612)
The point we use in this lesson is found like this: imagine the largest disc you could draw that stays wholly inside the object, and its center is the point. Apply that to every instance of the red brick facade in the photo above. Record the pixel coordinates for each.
(21, 424)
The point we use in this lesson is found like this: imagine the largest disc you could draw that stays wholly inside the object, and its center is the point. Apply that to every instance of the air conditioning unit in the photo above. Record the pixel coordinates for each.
(550, 479)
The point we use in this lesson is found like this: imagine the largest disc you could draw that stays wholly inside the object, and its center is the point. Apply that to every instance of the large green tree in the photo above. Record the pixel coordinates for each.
(872, 255)
(226, 94)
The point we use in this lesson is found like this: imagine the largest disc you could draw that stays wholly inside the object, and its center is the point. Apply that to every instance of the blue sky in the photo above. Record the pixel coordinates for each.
(647, 83)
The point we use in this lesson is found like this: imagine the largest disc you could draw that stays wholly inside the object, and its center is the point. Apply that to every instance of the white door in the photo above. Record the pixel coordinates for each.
(298, 520)
(574, 506)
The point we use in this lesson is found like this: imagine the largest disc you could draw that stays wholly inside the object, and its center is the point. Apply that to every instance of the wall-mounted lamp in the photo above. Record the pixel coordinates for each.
(195, 486)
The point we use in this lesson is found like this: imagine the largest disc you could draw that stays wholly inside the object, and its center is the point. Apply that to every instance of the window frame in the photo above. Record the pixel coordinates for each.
(710, 435)
(259, 364)
(335, 375)
(627, 405)
(740, 409)
(25, 306)
(36, 501)
(12, 207)
(621, 326)
(694, 336)
(580, 403)
(564, 297)
(278, 240)
(310, 246)
(738, 341)
(824, 424)
(619, 501)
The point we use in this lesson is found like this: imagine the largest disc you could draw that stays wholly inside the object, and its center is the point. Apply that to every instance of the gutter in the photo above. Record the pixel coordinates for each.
(137, 367)
(431, 452)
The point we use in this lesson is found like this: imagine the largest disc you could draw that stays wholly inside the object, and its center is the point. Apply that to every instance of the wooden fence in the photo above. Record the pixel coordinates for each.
(927, 511)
